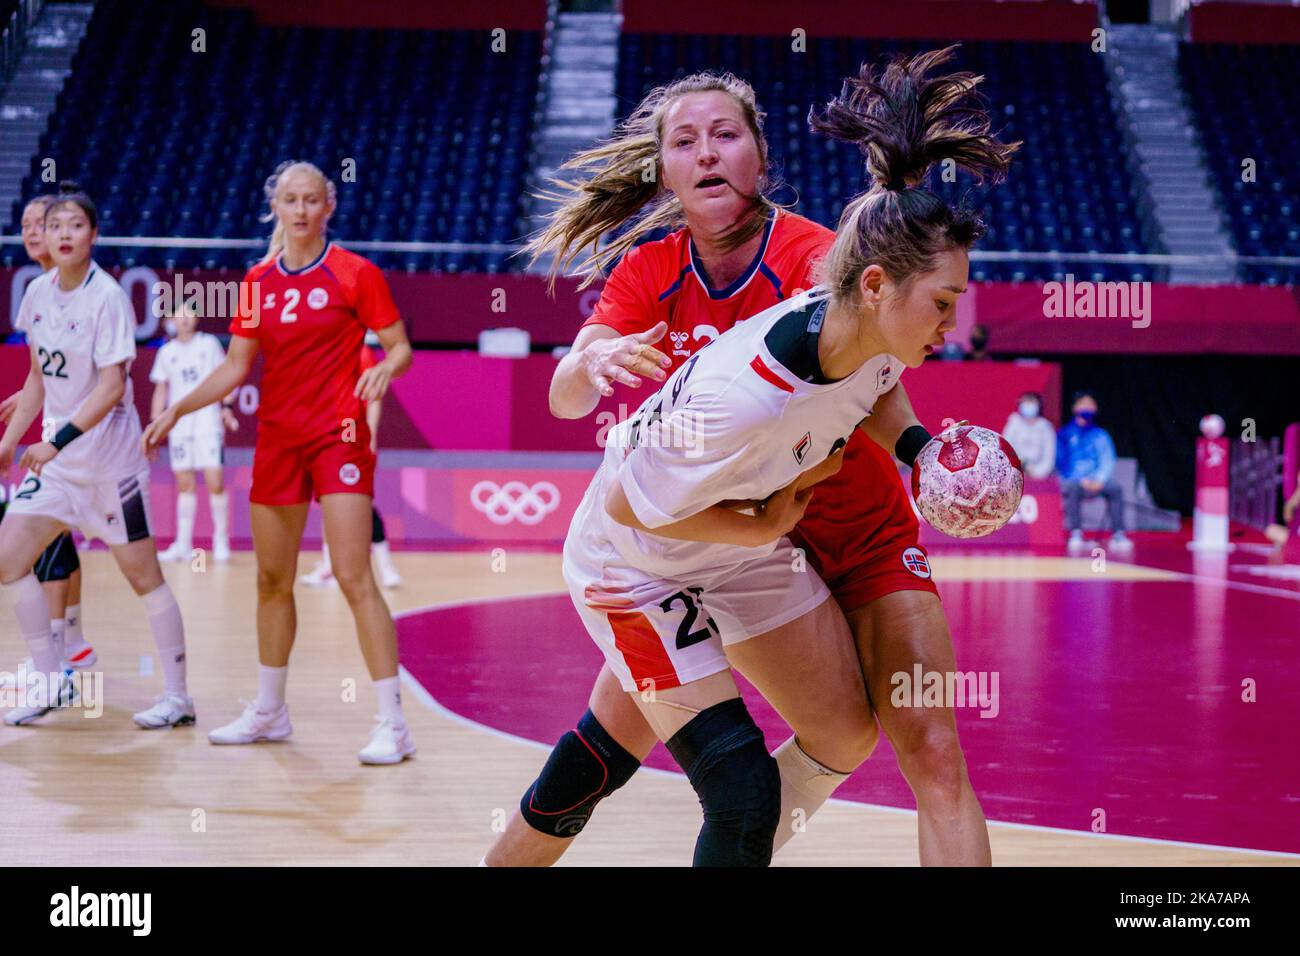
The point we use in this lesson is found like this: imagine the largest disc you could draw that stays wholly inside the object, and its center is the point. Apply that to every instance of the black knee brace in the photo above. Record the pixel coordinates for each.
(738, 783)
(58, 561)
(586, 766)
(377, 534)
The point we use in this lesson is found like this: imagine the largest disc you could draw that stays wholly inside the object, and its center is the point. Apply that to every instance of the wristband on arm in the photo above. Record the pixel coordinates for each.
(910, 443)
(65, 435)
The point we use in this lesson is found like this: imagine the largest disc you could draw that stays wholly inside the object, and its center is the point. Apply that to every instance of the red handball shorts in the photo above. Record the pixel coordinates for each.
(291, 472)
(860, 531)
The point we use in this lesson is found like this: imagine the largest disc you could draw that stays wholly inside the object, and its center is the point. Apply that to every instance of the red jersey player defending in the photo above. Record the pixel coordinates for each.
(737, 255)
(311, 304)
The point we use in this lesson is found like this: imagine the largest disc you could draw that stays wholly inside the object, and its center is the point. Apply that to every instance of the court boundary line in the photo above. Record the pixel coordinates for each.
(433, 704)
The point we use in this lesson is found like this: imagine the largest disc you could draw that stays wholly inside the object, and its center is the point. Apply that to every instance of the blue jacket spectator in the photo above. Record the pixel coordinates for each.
(1085, 452)
(1085, 461)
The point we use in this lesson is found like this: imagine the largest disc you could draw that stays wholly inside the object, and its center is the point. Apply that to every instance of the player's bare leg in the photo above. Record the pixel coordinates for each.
(808, 670)
(347, 519)
(186, 507)
(893, 634)
(522, 845)
(57, 595)
(218, 504)
(138, 561)
(22, 539)
(277, 533)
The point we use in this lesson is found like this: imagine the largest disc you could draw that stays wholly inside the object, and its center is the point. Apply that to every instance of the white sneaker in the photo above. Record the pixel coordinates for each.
(1076, 542)
(179, 551)
(254, 726)
(389, 743)
(221, 551)
(169, 710)
(67, 696)
(321, 577)
(1121, 542)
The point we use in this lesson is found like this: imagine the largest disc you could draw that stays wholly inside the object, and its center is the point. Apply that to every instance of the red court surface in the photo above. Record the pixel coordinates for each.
(1124, 696)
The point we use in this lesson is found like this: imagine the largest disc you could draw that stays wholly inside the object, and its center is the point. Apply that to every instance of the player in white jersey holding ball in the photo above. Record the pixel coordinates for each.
(197, 443)
(89, 471)
(667, 571)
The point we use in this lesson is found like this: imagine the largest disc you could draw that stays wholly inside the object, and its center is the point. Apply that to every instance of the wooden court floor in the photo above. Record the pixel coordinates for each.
(79, 791)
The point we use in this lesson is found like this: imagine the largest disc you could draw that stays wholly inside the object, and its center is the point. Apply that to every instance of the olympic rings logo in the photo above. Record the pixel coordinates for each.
(515, 501)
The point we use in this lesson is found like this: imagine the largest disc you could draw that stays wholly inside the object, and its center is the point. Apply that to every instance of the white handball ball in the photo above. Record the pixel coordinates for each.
(1213, 426)
(967, 482)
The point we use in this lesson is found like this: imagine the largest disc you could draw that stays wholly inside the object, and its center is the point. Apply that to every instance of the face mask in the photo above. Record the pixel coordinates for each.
(170, 328)
(978, 344)
(1085, 418)
(1029, 409)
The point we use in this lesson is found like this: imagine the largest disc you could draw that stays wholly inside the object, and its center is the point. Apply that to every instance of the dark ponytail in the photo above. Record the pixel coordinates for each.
(70, 192)
(905, 121)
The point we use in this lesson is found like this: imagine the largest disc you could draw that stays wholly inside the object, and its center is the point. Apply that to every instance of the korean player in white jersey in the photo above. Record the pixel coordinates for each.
(197, 443)
(666, 569)
(89, 471)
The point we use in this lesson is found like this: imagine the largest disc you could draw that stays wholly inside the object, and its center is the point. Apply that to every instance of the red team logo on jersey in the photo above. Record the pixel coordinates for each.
(915, 561)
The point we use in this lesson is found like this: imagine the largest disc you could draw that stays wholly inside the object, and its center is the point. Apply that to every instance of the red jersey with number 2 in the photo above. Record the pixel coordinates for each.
(310, 324)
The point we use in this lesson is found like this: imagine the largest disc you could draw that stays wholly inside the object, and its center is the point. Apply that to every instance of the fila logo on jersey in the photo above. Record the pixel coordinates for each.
(801, 447)
(915, 561)
(349, 474)
(882, 377)
(318, 298)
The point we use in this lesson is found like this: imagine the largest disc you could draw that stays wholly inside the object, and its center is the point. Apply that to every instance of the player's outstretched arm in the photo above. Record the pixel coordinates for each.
(159, 400)
(220, 382)
(600, 357)
(374, 381)
(109, 388)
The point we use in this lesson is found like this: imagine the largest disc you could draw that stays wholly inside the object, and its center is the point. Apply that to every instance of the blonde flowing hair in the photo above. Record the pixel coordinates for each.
(620, 180)
(268, 189)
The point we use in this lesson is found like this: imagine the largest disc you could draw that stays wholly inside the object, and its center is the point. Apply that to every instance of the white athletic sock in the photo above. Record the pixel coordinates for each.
(805, 786)
(325, 558)
(57, 632)
(72, 627)
(270, 687)
(33, 615)
(168, 636)
(187, 503)
(389, 691)
(220, 505)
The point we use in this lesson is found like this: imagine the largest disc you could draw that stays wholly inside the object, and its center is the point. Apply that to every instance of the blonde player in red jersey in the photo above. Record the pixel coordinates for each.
(311, 304)
(59, 568)
(736, 256)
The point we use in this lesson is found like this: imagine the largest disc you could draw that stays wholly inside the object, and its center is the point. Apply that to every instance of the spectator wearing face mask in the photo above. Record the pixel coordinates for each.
(1085, 460)
(979, 343)
(1032, 436)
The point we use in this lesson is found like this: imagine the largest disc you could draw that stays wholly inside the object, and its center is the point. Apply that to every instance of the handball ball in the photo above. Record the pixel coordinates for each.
(967, 482)
(1212, 426)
